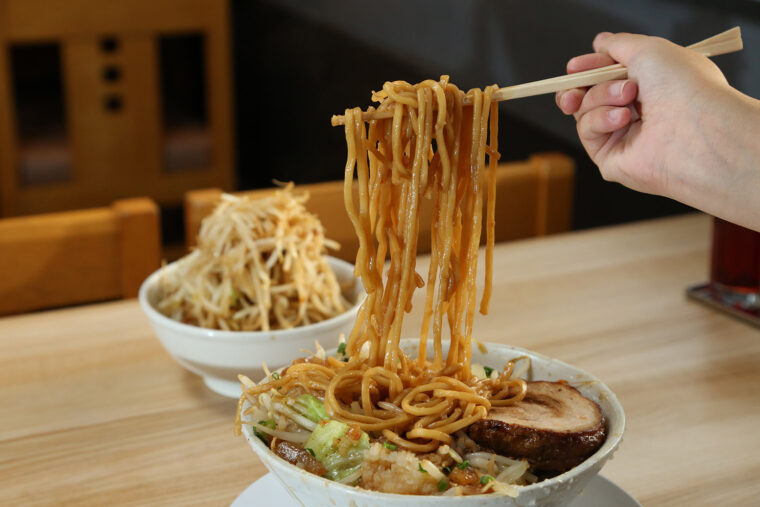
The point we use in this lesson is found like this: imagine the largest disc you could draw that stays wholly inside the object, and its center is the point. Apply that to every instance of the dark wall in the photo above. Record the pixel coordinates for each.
(296, 67)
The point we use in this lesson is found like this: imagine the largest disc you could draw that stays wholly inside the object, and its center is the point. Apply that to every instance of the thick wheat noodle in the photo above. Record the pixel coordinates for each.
(431, 147)
(493, 158)
(503, 398)
(429, 434)
(393, 437)
(437, 422)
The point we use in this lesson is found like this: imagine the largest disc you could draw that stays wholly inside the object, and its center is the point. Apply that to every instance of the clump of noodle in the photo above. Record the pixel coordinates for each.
(260, 265)
(433, 147)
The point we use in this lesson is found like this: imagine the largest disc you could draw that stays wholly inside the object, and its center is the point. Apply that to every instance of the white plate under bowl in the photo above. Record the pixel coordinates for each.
(558, 491)
(219, 356)
(599, 492)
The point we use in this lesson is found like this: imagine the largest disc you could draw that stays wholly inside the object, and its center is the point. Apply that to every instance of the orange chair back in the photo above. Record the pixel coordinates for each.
(74, 257)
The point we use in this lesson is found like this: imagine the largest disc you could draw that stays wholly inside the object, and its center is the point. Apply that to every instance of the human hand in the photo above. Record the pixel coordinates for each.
(675, 127)
(643, 131)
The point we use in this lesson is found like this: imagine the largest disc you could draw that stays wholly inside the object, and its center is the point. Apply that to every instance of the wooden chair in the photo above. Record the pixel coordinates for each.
(107, 130)
(533, 198)
(76, 257)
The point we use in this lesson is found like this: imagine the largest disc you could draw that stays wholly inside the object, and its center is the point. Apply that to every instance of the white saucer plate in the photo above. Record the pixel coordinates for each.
(600, 492)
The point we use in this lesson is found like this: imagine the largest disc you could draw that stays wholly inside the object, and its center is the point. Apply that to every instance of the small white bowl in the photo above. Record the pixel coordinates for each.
(558, 491)
(219, 356)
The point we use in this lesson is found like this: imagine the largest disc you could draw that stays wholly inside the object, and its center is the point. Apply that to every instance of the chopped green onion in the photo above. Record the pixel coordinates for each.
(275, 376)
(485, 479)
(419, 467)
(488, 371)
(390, 446)
(443, 485)
(463, 465)
(311, 451)
(342, 349)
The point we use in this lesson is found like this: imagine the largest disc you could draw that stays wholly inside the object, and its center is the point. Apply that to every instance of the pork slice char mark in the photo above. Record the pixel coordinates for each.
(554, 427)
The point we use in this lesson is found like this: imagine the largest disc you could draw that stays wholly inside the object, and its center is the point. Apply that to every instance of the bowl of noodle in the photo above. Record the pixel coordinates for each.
(422, 482)
(388, 421)
(259, 287)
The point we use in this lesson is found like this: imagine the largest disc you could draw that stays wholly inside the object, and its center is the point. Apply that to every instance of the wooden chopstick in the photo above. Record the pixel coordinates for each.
(732, 34)
(724, 42)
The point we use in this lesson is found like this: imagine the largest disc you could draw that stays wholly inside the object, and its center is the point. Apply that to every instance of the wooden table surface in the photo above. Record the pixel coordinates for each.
(95, 412)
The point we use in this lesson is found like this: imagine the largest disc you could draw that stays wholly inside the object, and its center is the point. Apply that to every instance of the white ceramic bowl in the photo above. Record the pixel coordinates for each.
(219, 356)
(558, 491)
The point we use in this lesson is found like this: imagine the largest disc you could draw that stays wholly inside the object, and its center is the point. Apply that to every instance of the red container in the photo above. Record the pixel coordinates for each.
(735, 266)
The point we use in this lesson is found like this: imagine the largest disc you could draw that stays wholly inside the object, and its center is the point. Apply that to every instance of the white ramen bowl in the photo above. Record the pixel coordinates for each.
(558, 491)
(219, 356)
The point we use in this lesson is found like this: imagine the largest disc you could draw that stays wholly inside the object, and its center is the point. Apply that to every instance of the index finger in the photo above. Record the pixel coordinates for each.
(569, 101)
(589, 61)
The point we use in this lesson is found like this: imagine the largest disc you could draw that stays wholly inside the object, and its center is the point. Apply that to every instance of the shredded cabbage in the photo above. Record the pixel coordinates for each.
(337, 449)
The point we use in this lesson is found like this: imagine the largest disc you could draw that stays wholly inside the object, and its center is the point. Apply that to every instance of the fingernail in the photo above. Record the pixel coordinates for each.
(614, 115)
(619, 88)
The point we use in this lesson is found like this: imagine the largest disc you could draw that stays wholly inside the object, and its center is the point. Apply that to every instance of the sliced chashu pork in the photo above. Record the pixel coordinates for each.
(554, 427)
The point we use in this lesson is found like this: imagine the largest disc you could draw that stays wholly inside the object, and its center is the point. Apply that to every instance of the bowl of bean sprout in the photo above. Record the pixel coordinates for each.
(258, 288)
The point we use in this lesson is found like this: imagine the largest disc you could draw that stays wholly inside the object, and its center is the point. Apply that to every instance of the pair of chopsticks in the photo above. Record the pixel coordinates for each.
(725, 42)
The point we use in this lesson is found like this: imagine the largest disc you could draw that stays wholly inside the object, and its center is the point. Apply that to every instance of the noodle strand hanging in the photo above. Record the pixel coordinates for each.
(432, 147)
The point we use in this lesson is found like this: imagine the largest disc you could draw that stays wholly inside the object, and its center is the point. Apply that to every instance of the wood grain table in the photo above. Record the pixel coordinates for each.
(95, 412)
